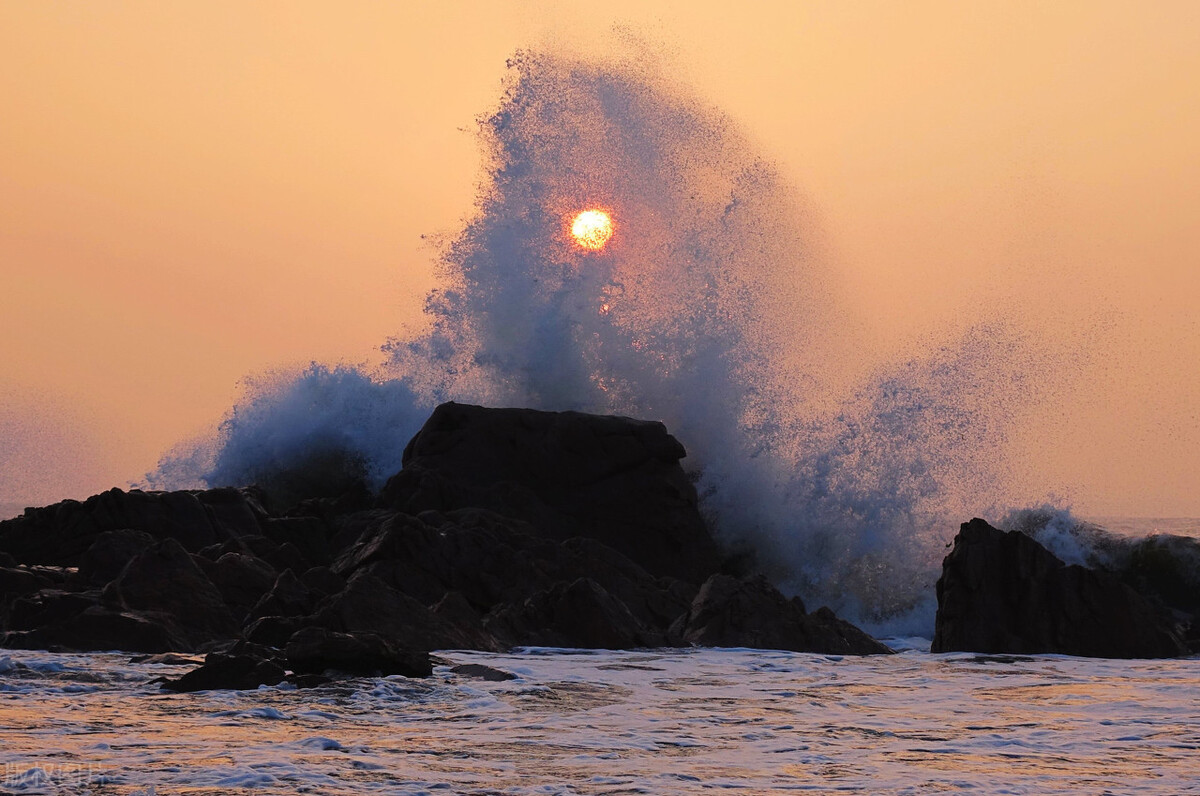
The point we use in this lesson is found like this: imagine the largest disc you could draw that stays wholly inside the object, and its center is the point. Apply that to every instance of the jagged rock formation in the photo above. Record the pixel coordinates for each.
(506, 527)
(1002, 592)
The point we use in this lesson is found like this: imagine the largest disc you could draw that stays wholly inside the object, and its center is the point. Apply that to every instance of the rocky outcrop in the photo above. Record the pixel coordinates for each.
(1002, 592)
(567, 474)
(506, 527)
(60, 534)
(750, 612)
(165, 582)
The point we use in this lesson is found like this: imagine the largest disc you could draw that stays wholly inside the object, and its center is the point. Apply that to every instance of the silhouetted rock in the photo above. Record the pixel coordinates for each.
(489, 558)
(49, 607)
(568, 474)
(1002, 592)
(241, 579)
(102, 628)
(287, 556)
(165, 579)
(322, 581)
(507, 526)
(577, 614)
(287, 597)
(496, 561)
(369, 605)
(315, 650)
(273, 631)
(233, 672)
(465, 623)
(729, 612)
(19, 581)
(309, 535)
(61, 533)
(1165, 568)
(109, 554)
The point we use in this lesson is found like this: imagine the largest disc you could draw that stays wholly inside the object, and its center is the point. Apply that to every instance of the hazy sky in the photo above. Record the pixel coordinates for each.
(195, 192)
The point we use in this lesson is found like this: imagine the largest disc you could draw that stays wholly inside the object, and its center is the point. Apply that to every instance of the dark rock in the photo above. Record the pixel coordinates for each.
(577, 614)
(489, 558)
(287, 597)
(322, 581)
(255, 546)
(15, 583)
(465, 624)
(656, 602)
(315, 650)
(1002, 592)
(109, 554)
(369, 605)
(1166, 569)
(234, 672)
(50, 607)
(287, 556)
(234, 512)
(61, 533)
(348, 529)
(568, 474)
(165, 579)
(478, 671)
(309, 535)
(493, 560)
(103, 628)
(273, 631)
(329, 473)
(20, 581)
(6, 560)
(242, 580)
(517, 526)
(729, 612)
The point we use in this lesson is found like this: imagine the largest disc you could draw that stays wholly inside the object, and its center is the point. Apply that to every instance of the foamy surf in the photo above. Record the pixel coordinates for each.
(603, 722)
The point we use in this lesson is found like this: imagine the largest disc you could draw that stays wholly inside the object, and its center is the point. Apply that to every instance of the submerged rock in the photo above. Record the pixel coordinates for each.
(226, 671)
(1002, 592)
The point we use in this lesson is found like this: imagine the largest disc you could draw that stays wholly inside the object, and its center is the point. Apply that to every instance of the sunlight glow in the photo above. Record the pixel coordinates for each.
(592, 229)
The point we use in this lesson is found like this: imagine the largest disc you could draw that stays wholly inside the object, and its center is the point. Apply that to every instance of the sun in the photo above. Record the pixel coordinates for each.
(592, 229)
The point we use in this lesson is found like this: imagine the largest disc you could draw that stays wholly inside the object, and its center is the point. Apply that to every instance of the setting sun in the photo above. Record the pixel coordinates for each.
(592, 229)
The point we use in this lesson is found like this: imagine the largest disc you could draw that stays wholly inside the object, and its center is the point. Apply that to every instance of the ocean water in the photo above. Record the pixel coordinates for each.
(602, 722)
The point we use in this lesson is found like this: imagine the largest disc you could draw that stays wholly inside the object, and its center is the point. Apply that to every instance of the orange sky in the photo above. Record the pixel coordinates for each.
(193, 192)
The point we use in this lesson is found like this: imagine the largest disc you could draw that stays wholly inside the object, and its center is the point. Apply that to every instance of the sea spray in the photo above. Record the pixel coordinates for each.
(711, 310)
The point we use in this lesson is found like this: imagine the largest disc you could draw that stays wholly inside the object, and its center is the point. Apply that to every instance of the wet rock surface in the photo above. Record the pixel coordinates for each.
(1002, 592)
(507, 527)
(750, 612)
